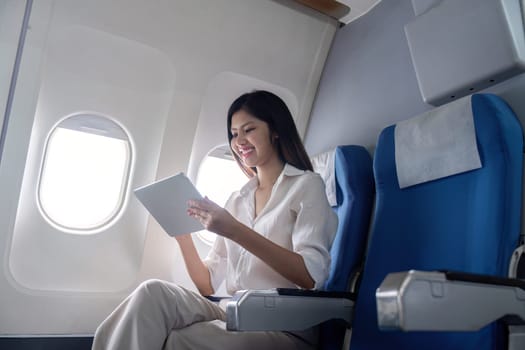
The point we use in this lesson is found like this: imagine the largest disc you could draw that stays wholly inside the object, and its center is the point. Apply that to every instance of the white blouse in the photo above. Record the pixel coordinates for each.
(297, 216)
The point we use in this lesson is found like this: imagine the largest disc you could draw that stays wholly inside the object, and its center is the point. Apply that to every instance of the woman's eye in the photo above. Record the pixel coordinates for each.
(248, 130)
(234, 134)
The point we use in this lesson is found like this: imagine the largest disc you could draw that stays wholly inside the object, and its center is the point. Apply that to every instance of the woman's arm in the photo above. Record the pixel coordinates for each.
(286, 262)
(198, 271)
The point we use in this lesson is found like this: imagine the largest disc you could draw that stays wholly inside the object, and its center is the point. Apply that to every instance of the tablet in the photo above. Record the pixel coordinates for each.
(166, 200)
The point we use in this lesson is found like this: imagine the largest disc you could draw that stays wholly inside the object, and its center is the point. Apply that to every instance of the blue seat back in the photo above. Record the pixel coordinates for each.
(355, 196)
(466, 222)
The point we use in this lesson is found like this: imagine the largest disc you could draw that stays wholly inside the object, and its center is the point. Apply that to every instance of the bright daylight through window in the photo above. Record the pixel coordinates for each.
(219, 176)
(85, 173)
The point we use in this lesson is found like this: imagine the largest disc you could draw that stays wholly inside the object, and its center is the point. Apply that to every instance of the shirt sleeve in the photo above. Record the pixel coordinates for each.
(314, 229)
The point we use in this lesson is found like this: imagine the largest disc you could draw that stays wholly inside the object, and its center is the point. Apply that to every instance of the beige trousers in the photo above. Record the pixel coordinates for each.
(162, 315)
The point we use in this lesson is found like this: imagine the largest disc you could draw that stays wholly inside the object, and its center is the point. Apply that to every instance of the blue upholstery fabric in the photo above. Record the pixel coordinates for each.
(467, 222)
(355, 196)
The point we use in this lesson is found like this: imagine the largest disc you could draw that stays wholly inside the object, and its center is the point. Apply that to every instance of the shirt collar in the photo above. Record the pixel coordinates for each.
(288, 170)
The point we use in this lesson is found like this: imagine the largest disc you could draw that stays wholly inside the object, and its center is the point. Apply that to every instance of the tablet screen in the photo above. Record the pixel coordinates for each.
(166, 200)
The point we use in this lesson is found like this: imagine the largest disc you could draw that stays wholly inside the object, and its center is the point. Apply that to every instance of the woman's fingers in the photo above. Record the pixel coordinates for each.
(197, 213)
(201, 204)
(200, 210)
(213, 217)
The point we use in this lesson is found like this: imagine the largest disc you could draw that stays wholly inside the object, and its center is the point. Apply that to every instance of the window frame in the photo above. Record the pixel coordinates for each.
(94, 123)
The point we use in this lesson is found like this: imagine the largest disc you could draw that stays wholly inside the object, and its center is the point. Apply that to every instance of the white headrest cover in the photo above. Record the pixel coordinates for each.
(436, 144)
(324, 165)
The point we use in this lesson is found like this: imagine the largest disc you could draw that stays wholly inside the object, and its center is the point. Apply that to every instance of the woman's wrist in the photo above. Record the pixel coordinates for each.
(237, 231)
(181, 239)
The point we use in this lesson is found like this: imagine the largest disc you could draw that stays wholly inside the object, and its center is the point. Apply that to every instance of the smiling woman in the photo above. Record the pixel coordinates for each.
(270, 234)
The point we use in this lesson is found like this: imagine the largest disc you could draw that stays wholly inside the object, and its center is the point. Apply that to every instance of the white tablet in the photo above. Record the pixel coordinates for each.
(166, 200)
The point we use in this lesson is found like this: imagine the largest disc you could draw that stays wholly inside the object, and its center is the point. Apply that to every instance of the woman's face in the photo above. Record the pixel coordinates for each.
(252, 140)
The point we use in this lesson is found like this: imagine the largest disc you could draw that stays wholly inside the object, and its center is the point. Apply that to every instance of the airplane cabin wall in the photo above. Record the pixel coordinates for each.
(369, 81)
(157, 77)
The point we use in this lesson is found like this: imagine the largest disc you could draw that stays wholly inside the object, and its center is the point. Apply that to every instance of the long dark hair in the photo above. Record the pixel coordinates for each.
(271, 109)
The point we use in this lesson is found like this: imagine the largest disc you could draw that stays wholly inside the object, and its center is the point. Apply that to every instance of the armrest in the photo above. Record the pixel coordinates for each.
(284, 309)
(447, 301)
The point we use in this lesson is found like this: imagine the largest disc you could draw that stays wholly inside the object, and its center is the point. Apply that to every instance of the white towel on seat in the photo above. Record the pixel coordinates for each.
(324, 165)
(436, 144)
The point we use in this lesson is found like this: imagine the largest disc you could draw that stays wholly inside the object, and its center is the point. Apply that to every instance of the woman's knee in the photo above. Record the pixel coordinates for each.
(151, 285)
(154, 291)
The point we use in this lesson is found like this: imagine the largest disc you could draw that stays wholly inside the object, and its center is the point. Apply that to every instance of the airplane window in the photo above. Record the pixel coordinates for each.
(84, 173)
(218, 176)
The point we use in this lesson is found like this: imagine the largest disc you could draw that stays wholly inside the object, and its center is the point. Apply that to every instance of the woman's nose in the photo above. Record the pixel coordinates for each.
(240, 139)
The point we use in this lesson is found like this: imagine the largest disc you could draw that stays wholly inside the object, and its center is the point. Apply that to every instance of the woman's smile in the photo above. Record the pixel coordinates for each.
(251, 140)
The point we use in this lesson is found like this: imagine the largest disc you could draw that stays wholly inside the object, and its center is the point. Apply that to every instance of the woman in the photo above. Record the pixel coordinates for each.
(275, 232)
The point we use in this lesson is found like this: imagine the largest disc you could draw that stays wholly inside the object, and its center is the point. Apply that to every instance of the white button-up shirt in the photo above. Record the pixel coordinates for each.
(297, 216)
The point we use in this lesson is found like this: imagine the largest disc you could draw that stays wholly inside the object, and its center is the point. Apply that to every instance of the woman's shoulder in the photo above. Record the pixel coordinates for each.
(307, 180)
(309, 176)
(308, 190)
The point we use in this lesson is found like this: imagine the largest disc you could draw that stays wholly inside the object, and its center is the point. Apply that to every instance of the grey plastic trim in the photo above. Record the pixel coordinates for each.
(266, 310)
(406, 299)
(14, 76)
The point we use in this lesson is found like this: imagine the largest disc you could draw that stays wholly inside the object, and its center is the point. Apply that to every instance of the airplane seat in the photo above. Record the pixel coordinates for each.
(458, 218)
(355, 196)
(354, 189)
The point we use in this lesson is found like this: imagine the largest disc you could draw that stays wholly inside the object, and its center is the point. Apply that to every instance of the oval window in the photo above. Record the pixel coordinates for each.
(218, 177)
(85, 172)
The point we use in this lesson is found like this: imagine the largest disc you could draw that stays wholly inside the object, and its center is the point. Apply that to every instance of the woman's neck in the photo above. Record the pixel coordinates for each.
(268, 174)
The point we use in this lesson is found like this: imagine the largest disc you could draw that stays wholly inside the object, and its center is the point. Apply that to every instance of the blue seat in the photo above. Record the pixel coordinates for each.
(355, 197)
(468, 222)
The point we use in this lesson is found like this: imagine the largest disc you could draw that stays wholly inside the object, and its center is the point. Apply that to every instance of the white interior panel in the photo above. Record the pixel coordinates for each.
(358, 8)
(129, 83)
(461, 47)
(118, 59)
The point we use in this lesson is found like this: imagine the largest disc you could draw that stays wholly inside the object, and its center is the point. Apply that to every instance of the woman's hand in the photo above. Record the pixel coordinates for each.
(212, 217)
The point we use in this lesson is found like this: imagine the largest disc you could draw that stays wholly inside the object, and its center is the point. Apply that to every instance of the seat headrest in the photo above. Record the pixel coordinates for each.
(324, 165)
(436, 144)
